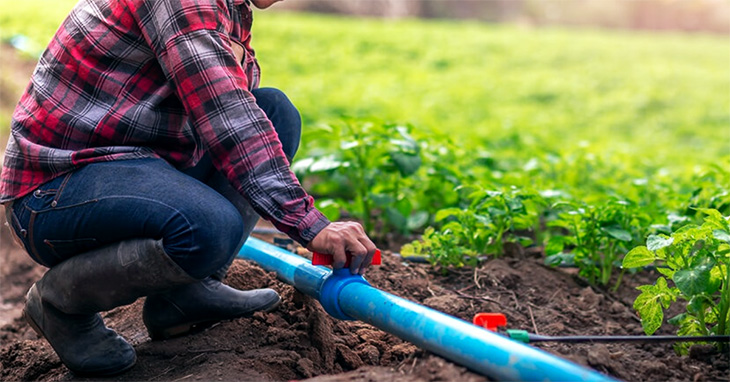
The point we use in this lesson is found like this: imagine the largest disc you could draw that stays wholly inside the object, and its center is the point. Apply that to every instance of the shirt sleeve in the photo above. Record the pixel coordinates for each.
(191, 42)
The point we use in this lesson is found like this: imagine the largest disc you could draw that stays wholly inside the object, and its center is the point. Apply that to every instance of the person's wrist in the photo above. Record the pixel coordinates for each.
(319, 223)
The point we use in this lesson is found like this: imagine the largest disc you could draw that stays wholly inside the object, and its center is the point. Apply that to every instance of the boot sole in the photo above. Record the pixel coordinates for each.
(102, 373)
(198, 326)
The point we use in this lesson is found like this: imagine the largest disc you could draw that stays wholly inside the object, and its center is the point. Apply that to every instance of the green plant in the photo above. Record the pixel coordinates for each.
(594, 238)
(369, 174)
(696, 259)
(491, 218)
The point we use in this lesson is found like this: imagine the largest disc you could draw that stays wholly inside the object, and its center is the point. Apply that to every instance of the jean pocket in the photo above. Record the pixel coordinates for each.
(64, 249)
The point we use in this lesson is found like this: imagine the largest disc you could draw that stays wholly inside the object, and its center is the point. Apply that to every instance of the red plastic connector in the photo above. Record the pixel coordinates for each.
(490, 321)
(322, 259)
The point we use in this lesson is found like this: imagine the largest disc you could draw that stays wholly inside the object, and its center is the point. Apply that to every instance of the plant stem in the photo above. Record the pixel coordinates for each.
(701, 318)
(607, 266)
(724, 304)
(363, 188)
(618, 280)
(722, 319)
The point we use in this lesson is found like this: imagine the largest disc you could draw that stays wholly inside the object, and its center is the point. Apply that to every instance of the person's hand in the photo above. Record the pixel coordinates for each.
(341, 238)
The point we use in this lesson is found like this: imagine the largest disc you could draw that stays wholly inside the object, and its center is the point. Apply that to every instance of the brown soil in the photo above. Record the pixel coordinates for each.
(300, 341)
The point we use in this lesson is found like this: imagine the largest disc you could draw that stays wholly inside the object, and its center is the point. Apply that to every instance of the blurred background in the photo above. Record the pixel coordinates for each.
(684, 15)
(584, 99)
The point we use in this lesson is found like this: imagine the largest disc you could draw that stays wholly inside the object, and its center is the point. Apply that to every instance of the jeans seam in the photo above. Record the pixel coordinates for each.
(31, 243)
(63, 207)
(62, 186)
(192, 232)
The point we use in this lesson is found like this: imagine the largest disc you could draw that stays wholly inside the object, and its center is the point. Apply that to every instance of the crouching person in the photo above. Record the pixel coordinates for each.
(140, 158)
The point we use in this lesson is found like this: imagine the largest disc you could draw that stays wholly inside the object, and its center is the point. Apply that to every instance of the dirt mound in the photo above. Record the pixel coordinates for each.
(300, 341)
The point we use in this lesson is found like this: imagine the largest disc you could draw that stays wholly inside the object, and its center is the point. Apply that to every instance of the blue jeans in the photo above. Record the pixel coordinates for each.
(104, 203)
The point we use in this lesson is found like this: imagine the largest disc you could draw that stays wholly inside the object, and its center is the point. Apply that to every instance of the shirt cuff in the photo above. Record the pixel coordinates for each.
(310, 226)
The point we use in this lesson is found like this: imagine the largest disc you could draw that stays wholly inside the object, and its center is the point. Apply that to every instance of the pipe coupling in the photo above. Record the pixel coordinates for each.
(329, 295)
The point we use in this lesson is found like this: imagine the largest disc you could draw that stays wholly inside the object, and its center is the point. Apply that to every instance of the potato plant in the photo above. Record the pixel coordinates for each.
(491, 218)
(595, 237)
(694, 263)
(368, 175)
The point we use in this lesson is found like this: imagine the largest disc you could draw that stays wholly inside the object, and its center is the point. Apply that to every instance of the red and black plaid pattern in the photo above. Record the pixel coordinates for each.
(125, 79)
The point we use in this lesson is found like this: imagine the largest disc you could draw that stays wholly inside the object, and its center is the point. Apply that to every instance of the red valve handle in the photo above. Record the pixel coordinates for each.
(322, 259)
(490, 321)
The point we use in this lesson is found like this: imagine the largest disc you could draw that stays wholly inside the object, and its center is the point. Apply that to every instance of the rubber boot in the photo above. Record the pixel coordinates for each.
(194, 307)
(63, 305)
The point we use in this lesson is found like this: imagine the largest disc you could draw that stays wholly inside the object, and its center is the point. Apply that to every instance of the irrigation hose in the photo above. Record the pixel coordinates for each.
(523, 336)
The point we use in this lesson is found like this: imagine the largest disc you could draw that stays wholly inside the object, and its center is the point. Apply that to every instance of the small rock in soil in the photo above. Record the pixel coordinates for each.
(616, 307)
(658, 351)
(555, 328)
(447, 304)
(598, 355)
(588, 299)
(348, 358)
(369, 354)
(655, 368)
(702, 352)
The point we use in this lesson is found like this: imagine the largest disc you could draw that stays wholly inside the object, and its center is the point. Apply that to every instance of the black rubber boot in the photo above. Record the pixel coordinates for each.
(196, 306)
(63, 305)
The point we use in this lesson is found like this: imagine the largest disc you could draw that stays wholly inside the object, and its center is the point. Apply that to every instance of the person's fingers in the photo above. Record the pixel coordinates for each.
(342, 238)
(370, 247)
(358, 253)
(339, 256)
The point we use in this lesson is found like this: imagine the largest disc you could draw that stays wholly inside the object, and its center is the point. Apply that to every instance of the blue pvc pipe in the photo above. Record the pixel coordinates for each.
(346, 297)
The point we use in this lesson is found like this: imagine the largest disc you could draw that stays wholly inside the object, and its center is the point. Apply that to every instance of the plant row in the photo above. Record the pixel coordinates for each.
(605, 217)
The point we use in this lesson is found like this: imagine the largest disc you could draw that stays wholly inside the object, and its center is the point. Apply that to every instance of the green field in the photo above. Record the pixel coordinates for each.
(592, 141)
(658, 96)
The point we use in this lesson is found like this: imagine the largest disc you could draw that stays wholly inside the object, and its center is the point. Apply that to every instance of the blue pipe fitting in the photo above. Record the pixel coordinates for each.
(329, 295)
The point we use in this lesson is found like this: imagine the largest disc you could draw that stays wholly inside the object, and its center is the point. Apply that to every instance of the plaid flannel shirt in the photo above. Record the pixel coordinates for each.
(125, 79)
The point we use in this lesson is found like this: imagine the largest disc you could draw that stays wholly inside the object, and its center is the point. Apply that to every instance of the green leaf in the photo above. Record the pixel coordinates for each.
(483, 219)
(555, 245)
(446, 212)
(406, 163)
(697, 303)
(396, 218)
(382, 200)
(560, 259)
(617, 233)
(301, 167)
(524, 240)
(666, 271)
(417, 220)
(677, 320)
(346, 145)
(410, 249)
(638, 257)
(330, 209)
(494, 211)
(721, 235)
(716, 279)
(327, 163)
(657, 242)
(713, 214)
(650, 311)
(405, 206)
(694, 281)
(650, 302)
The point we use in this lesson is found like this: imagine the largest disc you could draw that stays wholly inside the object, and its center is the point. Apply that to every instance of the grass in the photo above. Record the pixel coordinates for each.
(618, 94)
